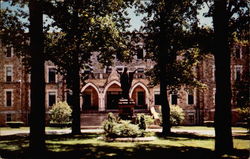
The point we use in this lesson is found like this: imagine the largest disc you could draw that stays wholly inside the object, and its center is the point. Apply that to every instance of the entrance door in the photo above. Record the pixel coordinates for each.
(86, 102)
(112, 99)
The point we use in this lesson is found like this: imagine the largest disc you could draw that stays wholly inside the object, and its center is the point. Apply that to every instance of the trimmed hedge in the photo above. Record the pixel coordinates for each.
(15, 124)
(60, 125)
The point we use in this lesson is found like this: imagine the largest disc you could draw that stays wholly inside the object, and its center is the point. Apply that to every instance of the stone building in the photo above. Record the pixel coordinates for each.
(101, 91)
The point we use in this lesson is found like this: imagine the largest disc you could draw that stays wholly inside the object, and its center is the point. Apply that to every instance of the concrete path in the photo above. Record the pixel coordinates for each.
(67, 131)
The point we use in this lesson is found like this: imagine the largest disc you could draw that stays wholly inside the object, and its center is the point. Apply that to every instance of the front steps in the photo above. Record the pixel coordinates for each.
(95, 119)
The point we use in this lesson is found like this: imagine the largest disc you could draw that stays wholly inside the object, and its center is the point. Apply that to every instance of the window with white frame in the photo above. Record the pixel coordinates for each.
(52, 95)
(237, 72)
(8, 98)
(51, 75)
(174, 99)
(8, 117)
(8, 73)
(157, 98)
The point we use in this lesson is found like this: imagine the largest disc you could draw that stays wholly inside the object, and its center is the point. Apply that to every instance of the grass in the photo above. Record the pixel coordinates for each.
(178, 145)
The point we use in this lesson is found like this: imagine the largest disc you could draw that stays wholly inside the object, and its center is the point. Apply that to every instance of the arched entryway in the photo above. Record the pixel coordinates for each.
(139, 94)
(113, 93)
(90, 97)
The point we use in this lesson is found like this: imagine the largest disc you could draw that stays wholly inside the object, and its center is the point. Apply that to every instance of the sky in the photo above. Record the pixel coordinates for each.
(135, 21)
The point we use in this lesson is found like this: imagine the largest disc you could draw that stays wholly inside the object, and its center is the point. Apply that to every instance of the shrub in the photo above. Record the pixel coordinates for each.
(176, 115)
(60, 113)
(244, 115)
(147, 118)
(123, 128)
(15, 124)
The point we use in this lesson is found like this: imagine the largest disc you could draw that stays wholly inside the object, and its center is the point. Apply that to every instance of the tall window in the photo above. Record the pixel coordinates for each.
(238, 52)
(157, 100)
(9, 51)
(238, 72)
(190, 98)
(51, 98)
(8, 98)
(9, 73)
(141, 98)
(140, 54)
(174, 99)
(8, 117)
(52, 75)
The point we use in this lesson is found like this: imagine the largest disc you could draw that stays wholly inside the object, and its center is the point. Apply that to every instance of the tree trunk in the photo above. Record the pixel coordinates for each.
(37, 123)
(76, 122)
(223, 133)
(165, 108)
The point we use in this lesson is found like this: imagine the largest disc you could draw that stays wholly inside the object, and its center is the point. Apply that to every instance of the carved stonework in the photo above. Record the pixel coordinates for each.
(113, 76)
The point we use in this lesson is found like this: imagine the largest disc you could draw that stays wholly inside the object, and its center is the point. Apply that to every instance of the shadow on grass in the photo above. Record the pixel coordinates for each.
(102, 151)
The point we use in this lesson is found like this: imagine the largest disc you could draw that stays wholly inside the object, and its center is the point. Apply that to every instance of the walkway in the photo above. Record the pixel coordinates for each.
(68, 130)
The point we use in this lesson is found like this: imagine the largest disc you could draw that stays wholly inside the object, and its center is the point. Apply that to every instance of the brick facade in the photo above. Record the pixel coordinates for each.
(102, 88)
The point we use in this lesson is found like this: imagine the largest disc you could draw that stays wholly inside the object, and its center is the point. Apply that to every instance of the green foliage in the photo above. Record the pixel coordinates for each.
(142, 118)
(176, 115)
(244, 113)
(60, 113)
(142, 123)
(114, 128)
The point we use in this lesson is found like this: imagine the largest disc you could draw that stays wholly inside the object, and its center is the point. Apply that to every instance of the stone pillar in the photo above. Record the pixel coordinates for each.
(81, 102)
(101, 103)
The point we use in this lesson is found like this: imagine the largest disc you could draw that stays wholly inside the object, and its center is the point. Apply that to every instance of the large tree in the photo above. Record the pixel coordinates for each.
(224, 24)
(37, 120)
(85, 27)
(167, 26)
(27, 39)
(228, 17)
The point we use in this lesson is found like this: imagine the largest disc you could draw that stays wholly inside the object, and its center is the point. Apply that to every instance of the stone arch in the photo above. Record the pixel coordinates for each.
(90, 97)
(92, 85)
(146, 96)
(110, 84)
(112, 94)
(139, 84)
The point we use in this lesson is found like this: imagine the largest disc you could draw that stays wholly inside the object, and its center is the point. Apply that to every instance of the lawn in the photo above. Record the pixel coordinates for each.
(178, 145)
